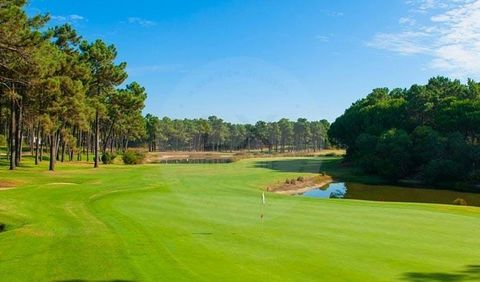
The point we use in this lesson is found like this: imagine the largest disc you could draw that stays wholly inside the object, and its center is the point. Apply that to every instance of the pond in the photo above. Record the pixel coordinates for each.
(348, 190)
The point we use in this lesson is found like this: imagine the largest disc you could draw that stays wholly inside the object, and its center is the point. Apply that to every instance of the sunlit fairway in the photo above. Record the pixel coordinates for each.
(202, 222)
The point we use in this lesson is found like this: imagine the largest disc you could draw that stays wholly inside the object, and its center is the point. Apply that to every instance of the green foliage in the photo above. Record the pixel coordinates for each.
(108, 158)
(426, 132)
(3, 140)
(440, 170)
(132, 157)
(460, 202)
(393, 151)
(214, 134)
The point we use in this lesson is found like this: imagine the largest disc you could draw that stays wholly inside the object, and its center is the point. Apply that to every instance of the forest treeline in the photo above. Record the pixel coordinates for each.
(65, 98)
(214, 134)
(427, 133)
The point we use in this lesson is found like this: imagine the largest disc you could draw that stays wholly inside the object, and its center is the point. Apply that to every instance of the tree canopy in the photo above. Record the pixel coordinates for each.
(60, 91)
(427, 133)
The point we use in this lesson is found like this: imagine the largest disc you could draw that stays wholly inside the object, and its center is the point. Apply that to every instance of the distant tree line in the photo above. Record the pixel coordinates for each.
(59, 93)
(427, 133)
(214, 134)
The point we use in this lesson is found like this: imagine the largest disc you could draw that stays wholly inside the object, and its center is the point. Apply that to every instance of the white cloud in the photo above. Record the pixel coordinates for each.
(142, 22)
(322, 38)
(450, 36)
(405, 43)
(407, 21)
(76, 17)
(67, 19)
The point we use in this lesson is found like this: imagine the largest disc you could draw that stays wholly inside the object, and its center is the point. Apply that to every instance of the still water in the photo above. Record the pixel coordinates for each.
(348, 190)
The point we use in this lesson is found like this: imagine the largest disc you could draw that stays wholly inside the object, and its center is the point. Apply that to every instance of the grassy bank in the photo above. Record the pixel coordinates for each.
(202, 222)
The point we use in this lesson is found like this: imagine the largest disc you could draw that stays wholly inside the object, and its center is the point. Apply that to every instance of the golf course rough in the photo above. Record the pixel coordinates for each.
(203, 222)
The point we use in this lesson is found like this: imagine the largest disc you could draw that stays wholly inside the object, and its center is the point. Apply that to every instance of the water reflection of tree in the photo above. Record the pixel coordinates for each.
(338, 194)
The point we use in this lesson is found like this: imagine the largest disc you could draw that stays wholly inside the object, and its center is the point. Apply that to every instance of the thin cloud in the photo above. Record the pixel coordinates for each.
(405, 43)
(451, 36)
(322, 38)
(166, 68)
(334, 14)
(141, 22)
(67, 19)
(407, 21)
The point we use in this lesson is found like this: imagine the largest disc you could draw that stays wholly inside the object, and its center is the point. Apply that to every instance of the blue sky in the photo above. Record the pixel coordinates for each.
(251, 60)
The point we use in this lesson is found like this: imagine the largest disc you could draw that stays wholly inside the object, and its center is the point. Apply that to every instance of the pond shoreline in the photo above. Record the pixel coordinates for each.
(301, 186)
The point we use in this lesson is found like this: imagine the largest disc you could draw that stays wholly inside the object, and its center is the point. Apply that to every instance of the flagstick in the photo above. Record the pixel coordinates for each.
(263, 209)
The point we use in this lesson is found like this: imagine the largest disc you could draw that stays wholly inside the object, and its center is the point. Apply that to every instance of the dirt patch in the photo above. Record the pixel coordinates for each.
(7, 184)
(300, 184)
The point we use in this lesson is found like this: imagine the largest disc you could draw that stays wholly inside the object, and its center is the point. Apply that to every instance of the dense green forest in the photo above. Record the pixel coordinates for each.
(427, 133)
(64, 98)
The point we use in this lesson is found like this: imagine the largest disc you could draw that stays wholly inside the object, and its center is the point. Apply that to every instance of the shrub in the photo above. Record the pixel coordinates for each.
(460, 202)
(133, 157)
(300, 179)
(440, 170)
(293, 182)
(3, 140)
(108, 158)
(2, 227)
(287, 181)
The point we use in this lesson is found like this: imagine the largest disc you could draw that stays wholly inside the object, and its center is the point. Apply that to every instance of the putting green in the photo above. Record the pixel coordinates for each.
(202, 222)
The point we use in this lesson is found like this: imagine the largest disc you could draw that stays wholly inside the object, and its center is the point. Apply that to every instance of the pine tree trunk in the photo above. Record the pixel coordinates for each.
(13, 149)
(63, 152)
(41, 147)
(88, 139)
(53, 150)
(31, 138)
(19, 136)
(37, 144)
(97, 131)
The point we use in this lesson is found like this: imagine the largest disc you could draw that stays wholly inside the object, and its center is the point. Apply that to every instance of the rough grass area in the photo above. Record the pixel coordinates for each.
(203, 222)
(300, 184)
(8, 184)
(196, 157)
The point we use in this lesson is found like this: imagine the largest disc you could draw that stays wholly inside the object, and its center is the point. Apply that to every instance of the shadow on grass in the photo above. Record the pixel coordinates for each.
(6, 163)
(331, 166)
(81, 280)
(310, 165)
(470, 273)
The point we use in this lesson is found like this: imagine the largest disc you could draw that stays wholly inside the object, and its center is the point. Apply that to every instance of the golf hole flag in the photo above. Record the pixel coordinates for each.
(263, 204)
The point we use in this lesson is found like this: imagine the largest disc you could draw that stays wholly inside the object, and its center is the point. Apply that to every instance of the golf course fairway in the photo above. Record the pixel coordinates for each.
(203, 223)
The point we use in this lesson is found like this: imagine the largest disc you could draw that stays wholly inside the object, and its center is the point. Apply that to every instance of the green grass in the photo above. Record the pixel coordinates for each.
(202, 222)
